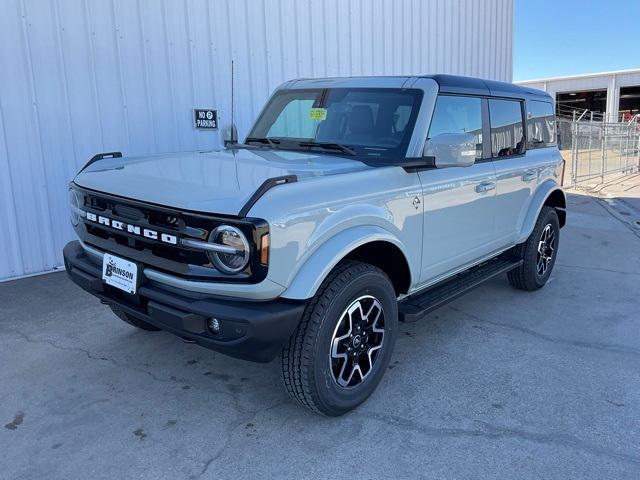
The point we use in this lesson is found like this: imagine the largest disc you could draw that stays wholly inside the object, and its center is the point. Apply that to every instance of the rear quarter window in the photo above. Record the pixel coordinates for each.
(541, 124)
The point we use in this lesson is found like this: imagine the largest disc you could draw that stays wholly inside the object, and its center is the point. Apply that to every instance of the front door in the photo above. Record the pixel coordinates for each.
(459, 202)
(459, 206)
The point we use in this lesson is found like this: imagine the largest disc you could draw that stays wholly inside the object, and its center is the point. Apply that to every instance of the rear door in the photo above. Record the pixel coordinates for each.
(516, 169)
(459, 202)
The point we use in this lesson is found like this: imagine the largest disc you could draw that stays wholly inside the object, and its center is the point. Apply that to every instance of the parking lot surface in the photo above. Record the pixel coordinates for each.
(498, 384)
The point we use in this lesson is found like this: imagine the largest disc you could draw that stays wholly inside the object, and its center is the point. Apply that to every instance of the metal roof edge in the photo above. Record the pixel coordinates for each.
(581, 75)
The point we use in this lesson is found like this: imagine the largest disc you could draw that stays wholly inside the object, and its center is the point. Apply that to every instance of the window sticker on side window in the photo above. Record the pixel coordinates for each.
(318, 114)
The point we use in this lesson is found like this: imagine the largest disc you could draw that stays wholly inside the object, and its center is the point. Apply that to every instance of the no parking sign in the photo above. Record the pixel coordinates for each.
(205, 118)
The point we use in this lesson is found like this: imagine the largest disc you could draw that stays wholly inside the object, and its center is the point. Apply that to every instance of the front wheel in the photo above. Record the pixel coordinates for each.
(538, 253)
(338, 354)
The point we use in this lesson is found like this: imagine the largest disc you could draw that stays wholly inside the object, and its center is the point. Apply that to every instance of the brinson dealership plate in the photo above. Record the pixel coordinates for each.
(119, 273)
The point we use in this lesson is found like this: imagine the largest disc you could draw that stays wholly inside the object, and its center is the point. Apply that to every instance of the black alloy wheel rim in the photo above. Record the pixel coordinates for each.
(546, 249)
(357, 341)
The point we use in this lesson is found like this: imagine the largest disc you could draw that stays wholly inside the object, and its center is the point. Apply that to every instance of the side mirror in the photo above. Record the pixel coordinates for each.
(452, 149)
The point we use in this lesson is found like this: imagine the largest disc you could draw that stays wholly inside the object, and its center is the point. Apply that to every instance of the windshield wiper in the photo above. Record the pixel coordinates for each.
(330, 146)
(272, 142)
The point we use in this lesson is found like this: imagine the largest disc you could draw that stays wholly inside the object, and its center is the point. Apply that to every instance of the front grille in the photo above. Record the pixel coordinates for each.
(144, 216)
(156, 253)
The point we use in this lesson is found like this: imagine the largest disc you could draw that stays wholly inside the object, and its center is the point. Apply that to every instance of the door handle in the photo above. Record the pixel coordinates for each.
(485, 187)
(529, 176)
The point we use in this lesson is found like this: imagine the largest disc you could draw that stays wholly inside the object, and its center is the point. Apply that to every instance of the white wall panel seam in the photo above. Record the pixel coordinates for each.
(9, 203)
(65, 85)
(190, 48)
(143, 48)
(281, 38)
(231, 99)
(267, 53)
(46, 252)
(168, 53)
(210, 49)
(247, 56)
(123, 94)
(92, 61)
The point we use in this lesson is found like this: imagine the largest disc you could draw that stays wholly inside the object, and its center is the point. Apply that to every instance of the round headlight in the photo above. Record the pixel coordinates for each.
(74, 207)
(231, 237)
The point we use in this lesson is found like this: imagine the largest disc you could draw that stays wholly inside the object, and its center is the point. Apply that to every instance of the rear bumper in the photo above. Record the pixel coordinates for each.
(252, 331)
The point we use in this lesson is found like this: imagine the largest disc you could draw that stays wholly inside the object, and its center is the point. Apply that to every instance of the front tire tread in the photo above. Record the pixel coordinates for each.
(297, 355)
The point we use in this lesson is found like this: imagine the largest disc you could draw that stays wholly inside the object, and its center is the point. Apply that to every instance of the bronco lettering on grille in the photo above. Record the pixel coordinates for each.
(132, 229)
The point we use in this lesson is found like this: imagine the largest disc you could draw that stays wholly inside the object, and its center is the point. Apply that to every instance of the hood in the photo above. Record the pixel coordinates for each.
(213, 182)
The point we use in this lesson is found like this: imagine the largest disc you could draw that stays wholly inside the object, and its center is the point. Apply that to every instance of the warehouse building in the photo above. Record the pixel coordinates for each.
(81, 77)
(614, 96)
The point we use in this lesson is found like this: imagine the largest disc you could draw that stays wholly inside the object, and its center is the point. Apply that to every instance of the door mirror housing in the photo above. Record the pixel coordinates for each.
(452, 149)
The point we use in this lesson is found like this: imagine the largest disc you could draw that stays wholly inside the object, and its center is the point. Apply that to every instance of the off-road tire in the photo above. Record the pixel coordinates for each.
(526, 276)
(133, 321)
(306, 358)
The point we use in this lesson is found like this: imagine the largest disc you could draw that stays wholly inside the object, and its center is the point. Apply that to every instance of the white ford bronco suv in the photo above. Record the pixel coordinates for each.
(353, 203)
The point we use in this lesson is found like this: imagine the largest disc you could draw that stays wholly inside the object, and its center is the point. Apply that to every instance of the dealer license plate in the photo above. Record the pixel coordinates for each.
(119, 273)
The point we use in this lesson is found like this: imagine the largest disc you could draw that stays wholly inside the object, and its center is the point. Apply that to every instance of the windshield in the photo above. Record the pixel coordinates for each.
(364, 122)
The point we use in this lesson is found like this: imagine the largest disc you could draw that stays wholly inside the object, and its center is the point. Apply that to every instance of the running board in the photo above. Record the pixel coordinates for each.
(416, 306)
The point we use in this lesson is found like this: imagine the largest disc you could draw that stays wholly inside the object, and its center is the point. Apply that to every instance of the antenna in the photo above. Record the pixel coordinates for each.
(234, 132)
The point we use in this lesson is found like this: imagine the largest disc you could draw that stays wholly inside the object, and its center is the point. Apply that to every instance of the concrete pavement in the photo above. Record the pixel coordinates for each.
(499, 384)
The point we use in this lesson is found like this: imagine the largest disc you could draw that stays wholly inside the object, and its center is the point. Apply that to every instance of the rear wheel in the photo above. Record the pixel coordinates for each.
(338, 354)
(133, 321)
(538, 253)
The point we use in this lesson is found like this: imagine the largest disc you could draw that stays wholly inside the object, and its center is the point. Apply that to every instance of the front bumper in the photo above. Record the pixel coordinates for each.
(252, 331)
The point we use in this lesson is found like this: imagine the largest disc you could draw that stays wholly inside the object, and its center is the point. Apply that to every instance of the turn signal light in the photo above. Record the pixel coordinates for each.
(264, 249)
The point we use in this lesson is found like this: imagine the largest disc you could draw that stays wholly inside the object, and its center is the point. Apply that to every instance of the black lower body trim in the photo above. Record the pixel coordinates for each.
(416, 306)
(252, 331)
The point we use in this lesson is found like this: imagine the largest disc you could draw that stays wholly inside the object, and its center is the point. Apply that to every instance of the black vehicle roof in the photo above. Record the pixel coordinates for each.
(477, 86)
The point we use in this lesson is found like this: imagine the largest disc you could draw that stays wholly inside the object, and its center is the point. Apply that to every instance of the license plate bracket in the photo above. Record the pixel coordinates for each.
(120, 273)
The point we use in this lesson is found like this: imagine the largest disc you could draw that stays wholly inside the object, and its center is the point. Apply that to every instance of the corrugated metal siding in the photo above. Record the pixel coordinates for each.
(585, 82)
(610, 81)
(80, 77)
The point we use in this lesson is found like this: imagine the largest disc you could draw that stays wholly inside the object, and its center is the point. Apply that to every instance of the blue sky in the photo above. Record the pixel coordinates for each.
(569, 37)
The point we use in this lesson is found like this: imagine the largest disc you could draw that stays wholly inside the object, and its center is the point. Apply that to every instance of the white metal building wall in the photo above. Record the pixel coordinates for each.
(79, 77)
(611, 81)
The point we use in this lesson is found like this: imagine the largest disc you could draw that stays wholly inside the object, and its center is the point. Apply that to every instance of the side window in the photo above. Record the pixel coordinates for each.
(507, 128)
(458, 115)
(541, 124)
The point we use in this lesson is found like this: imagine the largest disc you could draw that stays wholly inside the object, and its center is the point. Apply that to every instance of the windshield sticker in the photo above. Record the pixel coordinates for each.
(318, 114)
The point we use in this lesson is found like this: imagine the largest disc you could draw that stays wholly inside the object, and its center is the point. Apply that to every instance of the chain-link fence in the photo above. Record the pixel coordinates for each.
(594, 149)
